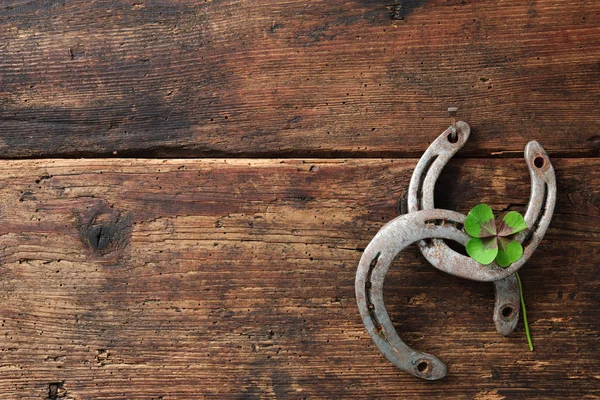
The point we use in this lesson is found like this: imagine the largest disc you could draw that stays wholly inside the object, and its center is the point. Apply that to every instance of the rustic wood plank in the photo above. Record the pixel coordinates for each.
(299, 78)
(183, 279)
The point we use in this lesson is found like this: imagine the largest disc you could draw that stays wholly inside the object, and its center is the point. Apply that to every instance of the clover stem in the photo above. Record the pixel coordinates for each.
(524, 312)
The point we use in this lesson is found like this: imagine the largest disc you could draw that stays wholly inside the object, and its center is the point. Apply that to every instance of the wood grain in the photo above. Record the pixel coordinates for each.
(187, 279)
(359, 78)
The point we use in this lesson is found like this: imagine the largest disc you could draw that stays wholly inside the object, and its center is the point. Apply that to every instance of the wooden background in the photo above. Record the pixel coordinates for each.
(239, 156)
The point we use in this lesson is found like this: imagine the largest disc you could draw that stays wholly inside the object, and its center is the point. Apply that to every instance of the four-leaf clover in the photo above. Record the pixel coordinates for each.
(490, 239)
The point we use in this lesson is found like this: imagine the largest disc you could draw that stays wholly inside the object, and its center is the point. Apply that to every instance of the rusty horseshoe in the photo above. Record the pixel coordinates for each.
(425, 222)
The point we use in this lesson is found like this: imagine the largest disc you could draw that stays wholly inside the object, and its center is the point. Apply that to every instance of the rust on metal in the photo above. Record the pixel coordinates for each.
(425, 222)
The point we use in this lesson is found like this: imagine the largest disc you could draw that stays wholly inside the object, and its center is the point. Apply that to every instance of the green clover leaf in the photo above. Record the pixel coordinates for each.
(490, 239)
(483, 250)
(509, 251)
(512, 223)
(480, 222)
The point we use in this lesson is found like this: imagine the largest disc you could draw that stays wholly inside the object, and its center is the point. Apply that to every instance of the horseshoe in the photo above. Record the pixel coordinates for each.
(443, 224)
(420, 196)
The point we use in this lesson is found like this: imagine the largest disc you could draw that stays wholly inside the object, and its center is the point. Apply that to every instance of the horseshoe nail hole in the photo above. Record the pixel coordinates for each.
(457, 247)
(374, 262)
(508, 312)
(539, 162)
(423, 367)
(452, 139)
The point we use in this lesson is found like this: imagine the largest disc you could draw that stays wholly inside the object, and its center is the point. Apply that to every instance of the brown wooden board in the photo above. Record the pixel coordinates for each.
(185, 279)
(358, 78)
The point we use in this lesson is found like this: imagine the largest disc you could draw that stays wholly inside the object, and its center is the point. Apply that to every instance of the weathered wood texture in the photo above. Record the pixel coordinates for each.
(184, 279)
(296, 78)
(151, 279)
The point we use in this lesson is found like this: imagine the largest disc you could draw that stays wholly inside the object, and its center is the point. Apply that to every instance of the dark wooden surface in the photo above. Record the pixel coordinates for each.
(295, 78)
(235, 279)
(141, 277)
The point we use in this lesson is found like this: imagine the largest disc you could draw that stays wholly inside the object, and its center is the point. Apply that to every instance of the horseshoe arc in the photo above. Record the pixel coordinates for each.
(425, 222)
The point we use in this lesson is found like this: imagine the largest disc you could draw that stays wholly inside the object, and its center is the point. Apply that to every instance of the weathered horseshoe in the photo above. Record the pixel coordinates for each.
(420, 197)
(443, 224)
(374, 264)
